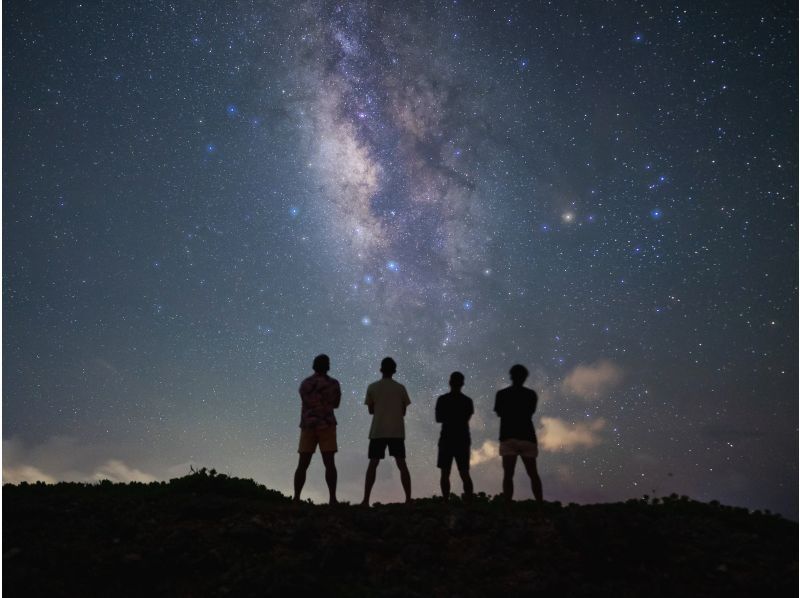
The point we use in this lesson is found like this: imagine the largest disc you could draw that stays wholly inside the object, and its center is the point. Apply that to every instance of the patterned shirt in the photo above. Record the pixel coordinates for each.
(320, 395)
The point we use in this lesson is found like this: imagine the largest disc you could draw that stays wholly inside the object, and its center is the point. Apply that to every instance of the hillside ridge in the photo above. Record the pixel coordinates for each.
(208, 534)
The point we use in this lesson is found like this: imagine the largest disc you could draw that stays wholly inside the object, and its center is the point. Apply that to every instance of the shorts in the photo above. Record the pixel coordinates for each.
(524, 448)
(325, 437)
(447, 453)
(377, 447)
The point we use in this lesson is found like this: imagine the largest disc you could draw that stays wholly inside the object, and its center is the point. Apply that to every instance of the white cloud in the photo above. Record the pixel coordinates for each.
(117, 471)
(593, 380)
(490, 449)
(25, 473)
(64, 459)
(560, 436)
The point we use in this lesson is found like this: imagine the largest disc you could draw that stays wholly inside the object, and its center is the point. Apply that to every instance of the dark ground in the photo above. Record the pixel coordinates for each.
(210, 535)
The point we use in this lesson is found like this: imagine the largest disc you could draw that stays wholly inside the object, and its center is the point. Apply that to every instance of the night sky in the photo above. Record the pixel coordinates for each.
(199, 197)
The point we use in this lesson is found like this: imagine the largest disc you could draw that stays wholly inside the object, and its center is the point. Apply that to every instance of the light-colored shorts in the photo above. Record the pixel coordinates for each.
(325, 437)
(523, 448)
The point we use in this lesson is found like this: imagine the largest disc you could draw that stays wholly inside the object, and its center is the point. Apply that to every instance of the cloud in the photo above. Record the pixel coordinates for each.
(25, 473)
(62, 458)
(560, 436)
(556, 436)
(593, 380)
(490, 449)
(117, 471)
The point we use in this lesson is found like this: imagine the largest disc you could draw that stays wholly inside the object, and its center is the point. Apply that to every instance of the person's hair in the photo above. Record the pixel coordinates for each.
(388, 365)
(322, 363)
(457, 379)
(518, 373)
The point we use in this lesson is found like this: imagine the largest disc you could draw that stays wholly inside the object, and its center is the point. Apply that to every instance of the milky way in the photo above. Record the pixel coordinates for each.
(392, 143)
(198, 199)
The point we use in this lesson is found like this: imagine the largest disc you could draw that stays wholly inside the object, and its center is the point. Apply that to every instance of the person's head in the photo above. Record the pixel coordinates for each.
(456, 381)
(322, 364)
(518, 373)
(388, 367)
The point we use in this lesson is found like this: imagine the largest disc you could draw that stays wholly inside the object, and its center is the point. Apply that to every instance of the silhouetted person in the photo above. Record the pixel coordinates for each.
(387, 401)
(515, 406)
(453, 411)
(320, 395)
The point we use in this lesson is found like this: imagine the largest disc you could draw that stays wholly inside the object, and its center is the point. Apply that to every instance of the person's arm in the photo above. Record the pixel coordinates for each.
(304, 390)
(406, 401)
(497, 406)
(370, 403)
(470, 410)
(337, 395)
(438, 410)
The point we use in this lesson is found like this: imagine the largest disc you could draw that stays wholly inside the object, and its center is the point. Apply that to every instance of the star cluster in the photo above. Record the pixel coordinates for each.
(198, 198)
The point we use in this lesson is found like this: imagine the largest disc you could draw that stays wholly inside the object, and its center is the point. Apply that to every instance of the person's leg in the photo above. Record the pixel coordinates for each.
(466, 480)
(509, 464)
(444, 461)
(405, 476)
(444, 481)
(330, 474)
(370, 480)
(300, 473)
(462, 462)
(533, 474)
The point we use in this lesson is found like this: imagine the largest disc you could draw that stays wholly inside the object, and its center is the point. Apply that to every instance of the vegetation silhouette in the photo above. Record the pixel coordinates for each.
(212, 534)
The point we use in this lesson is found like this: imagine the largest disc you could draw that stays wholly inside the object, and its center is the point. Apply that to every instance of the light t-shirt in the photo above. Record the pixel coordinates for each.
(388, 399)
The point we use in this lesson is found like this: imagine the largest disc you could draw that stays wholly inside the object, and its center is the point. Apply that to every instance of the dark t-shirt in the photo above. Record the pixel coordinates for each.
(453, 412)
(516, 406)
